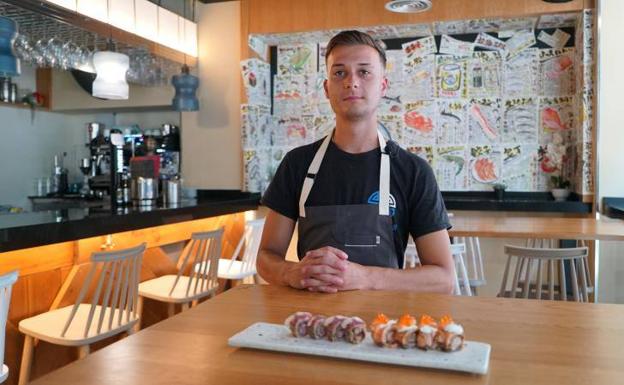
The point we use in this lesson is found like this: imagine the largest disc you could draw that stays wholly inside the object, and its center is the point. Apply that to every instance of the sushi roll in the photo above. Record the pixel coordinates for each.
(355, 329)
(333, 328)
(316, 327)
(450, 335)
(427, 330)
(298, 323)
(406, 330)
(383, 332)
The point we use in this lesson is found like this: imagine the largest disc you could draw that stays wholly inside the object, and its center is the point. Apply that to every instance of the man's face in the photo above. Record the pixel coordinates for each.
(355, 81)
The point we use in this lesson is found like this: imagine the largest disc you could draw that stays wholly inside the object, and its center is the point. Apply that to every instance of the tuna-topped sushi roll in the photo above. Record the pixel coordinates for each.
(333, 327)
(316, 327)
(427, 330)
(450, 335)
(298, 323)
(383, 332)
(405, 331)
(355, 329)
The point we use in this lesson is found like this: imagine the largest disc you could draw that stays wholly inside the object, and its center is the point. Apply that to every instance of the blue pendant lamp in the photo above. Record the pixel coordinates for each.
(9, 64)
(185, 85)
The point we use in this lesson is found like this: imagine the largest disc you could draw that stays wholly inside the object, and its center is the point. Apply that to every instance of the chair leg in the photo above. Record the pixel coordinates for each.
(27, 357)
(170, 309)
(137, 325)
(83, 351)
(194, 303)
(186, 306)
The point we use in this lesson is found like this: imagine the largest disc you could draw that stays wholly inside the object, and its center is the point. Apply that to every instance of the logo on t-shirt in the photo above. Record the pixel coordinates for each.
(373, 199)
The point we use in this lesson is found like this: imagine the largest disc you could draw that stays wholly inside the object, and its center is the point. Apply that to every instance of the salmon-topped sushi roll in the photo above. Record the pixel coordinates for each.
(405, 331)
(355, 329)
(298, 323)
(333, 327)
(382, 330)
(450, 335)
(427, 330)
(316, 327)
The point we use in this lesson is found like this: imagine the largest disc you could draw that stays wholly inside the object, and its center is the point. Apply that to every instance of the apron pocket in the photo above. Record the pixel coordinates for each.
(361, 240)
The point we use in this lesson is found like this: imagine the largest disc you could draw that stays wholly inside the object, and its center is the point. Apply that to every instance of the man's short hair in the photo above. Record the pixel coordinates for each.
(352, 37)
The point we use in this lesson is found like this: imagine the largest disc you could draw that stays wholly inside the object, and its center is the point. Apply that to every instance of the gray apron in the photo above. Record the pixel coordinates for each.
(363, 231)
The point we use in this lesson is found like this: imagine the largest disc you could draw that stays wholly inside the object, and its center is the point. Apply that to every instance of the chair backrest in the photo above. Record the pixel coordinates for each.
(203, 250)
(462, 283)
(251, 241)
(473, 260)
(410, 257)
(6, 284)
(116, 288)
(527, 282)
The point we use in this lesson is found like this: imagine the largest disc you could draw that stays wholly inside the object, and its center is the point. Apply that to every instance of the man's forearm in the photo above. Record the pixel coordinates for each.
(428, 278)
(273, 268)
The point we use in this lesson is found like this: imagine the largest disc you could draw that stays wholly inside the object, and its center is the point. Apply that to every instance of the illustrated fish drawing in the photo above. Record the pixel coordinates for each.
(551, 120)
(487, 128)
(458, 160)
(420, 122)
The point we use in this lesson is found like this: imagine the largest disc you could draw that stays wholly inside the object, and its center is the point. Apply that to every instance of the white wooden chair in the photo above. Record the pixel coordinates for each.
(527, 282)
(458, 250)
(462, 282)
(410, 257)
(244, 268)
(474, 261)
(6, 284)
(186, 289)
(581, 265)
(112, 309)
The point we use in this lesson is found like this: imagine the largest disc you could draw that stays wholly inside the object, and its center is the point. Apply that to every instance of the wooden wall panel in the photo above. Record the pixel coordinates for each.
(267, 16)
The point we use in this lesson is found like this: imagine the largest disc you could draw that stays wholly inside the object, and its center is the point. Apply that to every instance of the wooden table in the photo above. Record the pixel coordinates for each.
(605, 229)
(533, 342)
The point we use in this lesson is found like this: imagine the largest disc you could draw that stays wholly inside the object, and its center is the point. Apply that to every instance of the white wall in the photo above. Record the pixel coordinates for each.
(211, 156)
(30, 141)
(610, 139)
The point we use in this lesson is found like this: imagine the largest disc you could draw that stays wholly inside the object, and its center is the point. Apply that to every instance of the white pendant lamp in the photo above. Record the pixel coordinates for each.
(111, 68)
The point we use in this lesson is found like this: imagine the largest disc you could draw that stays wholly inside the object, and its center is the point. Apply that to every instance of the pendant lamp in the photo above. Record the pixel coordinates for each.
(185, 84)
(9, 64)
(111, 68)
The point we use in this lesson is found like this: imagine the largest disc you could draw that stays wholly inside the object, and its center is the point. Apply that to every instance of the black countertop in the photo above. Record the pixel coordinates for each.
(514, 201)
(19, 231)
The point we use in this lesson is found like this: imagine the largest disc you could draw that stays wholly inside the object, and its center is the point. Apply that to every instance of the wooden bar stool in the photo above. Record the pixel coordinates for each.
(203, 249)
(6, 284)
(112, 309)
(529, 283)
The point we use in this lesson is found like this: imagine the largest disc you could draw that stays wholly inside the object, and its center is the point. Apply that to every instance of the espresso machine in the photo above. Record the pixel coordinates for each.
(107, 162)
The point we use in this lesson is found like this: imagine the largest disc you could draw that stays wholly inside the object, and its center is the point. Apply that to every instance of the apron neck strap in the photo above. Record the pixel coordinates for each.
(384, 176)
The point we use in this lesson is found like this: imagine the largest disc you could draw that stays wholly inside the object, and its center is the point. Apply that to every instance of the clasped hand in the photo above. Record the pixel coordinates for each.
(326, 270)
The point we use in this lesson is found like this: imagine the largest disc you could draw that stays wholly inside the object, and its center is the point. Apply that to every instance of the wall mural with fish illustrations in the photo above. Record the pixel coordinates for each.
(482, 101)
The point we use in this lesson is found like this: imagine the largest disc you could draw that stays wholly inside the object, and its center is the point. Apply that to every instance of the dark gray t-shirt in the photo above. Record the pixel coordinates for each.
(416, 205)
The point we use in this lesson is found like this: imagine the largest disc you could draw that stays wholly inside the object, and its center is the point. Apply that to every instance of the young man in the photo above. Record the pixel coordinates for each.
(356, 199)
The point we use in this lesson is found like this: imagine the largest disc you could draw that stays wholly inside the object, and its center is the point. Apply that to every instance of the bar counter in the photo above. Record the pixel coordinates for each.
(19, 231)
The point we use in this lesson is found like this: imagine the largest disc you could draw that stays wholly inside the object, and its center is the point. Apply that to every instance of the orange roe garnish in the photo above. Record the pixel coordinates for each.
(407, 320)
(379, 320)
(427, 320)
(445, 320)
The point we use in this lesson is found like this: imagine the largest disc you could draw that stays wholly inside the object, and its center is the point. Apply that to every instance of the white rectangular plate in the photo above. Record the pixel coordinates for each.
(473, 358)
